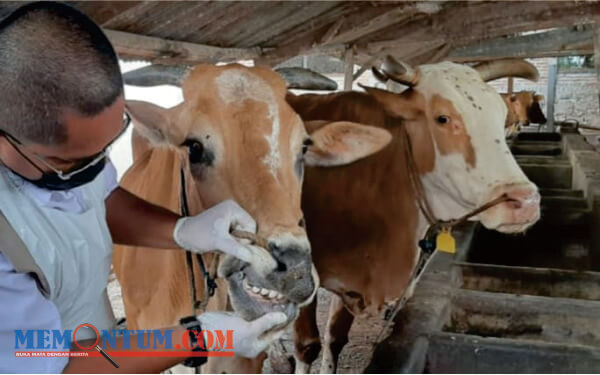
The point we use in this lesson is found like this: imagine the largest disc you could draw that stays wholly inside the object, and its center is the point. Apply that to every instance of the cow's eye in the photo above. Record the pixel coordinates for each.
(196, 151)
(443, 119)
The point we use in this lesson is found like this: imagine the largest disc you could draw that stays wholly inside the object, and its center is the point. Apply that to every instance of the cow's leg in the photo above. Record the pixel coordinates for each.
(336, 334)
(307, 342)
(281, 361)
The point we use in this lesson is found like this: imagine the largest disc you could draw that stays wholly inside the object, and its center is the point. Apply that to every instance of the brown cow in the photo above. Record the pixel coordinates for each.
(363, 220)
(235, 137)
(523, 108)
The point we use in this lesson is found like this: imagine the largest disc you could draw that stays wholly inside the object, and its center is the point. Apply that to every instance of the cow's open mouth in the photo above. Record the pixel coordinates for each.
(251, 298)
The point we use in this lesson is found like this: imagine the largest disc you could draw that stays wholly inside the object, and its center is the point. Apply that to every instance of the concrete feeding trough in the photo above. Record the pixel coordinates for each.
(514, 303)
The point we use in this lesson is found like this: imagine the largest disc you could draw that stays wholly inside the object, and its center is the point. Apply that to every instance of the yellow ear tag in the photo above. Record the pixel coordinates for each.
(445, 242)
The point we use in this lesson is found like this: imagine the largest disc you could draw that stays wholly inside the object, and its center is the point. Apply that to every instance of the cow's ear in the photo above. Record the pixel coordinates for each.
(395, 105)
(340, 143)
(153, 122)
(538, 97)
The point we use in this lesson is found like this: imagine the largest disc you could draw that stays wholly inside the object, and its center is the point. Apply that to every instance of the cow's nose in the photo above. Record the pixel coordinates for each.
(293, 274)
(522, 198)
(288, 257)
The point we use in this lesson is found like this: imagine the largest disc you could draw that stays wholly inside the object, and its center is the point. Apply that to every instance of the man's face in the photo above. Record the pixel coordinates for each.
(86, 137)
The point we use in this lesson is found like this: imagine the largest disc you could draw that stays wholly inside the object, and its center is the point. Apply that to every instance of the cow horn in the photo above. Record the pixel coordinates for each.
(400, 72)
(156, 75)
(301, 78)
(491, 70)
(379, 75)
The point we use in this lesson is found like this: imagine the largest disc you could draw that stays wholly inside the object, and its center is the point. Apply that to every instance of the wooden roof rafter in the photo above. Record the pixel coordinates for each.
(271, 32)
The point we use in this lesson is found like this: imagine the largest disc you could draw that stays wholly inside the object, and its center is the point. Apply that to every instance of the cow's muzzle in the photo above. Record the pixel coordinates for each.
(518, 213)
(289, 286)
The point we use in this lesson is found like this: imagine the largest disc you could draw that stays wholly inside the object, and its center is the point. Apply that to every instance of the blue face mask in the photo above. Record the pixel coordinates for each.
(58, 180)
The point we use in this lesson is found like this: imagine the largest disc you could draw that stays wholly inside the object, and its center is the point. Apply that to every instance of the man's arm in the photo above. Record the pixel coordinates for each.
(133, 221)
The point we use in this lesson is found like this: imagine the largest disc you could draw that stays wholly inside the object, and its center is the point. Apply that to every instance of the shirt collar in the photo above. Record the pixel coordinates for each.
(64, 200)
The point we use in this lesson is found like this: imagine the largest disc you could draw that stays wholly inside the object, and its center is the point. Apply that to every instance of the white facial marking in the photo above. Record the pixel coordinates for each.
(237, 85)
(454, 187)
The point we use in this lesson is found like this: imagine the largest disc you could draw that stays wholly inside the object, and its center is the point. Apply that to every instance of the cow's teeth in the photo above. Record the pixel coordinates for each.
(264, 291)
(279, 296)
(255, 289)
(245, 284)
(273, 294)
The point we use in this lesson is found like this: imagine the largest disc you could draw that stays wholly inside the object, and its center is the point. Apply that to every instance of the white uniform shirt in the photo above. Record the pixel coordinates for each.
(22, 306)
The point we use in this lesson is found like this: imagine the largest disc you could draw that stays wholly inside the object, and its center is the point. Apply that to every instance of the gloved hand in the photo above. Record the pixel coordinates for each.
(247, 340)
(209, 230)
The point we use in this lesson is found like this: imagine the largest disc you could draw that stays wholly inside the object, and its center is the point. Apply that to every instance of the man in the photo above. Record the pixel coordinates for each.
(61, 107)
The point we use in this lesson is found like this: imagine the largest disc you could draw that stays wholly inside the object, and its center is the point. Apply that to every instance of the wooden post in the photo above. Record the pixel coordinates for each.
(552, 77)
(510, 85)
(348, 68)
(597, 54)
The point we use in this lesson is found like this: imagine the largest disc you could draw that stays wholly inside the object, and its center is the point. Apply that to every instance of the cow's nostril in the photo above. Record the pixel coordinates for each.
(514, 204)
(276, 253)
(302, 223)
(274, 249)
(281, 267)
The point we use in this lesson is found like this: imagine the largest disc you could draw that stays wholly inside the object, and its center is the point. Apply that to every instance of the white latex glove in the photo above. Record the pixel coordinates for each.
(247, 340)
(209, 230)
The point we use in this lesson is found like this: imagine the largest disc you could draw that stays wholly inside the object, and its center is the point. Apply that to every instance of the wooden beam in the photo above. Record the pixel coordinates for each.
(330, 33)
(400, 14)
(486, 20)
(408, 51)
(441, 53)
(552, 78)
(561, 42)
(164, 51)
(348, 68)
(366, 66)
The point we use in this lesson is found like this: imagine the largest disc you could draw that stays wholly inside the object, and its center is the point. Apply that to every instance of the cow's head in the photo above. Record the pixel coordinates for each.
(524, 108)
(456, 124)
(527, 107)
(240, 140)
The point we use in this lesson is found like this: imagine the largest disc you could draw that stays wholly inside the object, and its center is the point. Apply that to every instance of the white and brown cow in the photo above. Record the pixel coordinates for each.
(236, 138)
(363, 219)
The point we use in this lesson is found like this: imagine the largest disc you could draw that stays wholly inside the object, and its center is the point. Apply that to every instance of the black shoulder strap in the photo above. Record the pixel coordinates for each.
(17, 253)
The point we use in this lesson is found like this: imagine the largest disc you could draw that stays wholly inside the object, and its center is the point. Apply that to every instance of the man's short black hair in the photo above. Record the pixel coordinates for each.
(53, 58)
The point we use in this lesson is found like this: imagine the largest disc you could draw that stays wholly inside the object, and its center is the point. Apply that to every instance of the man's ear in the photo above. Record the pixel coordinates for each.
(341, 143)
(154, 123)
